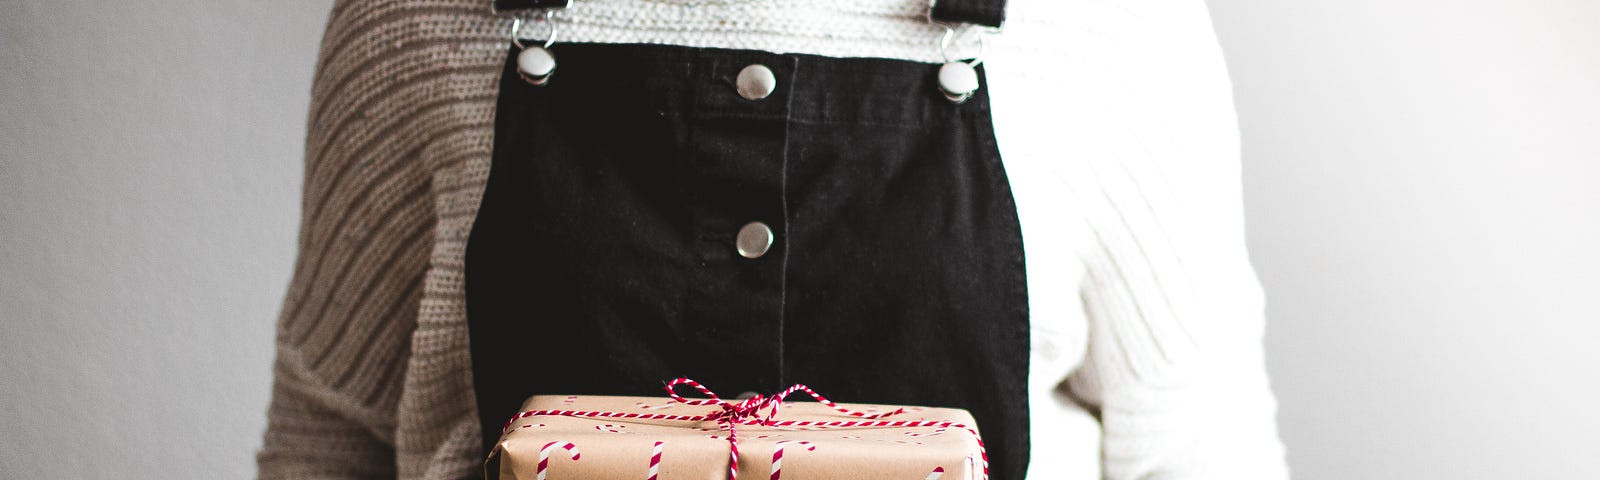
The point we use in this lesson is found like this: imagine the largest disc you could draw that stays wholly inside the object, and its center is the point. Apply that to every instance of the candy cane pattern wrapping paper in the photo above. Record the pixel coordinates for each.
(777, 455)
(544, 455)
(626, 437)
(655, 461)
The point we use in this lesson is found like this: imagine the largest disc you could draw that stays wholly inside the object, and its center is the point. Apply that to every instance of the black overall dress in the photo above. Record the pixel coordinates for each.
(603, 258)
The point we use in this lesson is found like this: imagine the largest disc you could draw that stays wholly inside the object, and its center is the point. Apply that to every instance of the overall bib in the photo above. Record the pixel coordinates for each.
(852, 230)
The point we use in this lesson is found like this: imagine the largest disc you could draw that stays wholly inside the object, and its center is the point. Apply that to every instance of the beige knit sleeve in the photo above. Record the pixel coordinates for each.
(343, 333)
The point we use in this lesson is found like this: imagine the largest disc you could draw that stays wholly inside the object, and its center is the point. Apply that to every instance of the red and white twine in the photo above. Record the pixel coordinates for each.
(748, 412)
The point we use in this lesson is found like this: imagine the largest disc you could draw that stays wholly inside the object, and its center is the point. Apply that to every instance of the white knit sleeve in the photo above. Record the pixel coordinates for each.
(1174, 363)
(1174, 360)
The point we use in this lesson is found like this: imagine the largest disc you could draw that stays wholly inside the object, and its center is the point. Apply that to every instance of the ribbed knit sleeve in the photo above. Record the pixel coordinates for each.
(1174, 362)
(1175, 316)
(345, 326)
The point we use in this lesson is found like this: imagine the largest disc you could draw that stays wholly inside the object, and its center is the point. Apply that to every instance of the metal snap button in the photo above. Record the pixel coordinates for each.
(754, 239)
(958, 81)
(755, 82)
(536, 64)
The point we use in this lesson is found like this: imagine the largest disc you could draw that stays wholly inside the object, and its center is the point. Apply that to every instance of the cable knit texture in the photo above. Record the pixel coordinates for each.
(1114, 119)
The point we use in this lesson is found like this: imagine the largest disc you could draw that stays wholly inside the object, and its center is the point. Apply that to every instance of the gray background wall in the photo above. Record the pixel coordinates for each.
(1418, 194)
(1422, 206)
(150, 165)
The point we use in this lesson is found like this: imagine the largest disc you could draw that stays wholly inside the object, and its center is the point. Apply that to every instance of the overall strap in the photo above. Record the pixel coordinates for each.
(509, 5)
(990, 13)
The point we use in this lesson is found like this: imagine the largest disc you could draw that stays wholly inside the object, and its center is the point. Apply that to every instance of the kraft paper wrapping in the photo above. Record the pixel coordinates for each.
(618, 448)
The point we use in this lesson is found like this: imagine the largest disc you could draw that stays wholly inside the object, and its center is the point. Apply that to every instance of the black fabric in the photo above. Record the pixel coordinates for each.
(602, 260)
(982, 12)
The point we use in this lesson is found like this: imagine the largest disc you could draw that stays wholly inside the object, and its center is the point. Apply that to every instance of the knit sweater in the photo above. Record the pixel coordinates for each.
(1114, 121)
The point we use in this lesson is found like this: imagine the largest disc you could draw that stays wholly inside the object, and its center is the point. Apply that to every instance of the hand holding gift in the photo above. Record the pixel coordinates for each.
(603, 437)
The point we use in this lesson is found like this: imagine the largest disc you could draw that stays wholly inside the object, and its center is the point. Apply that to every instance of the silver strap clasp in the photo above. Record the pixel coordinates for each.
(958, 79)
(536, 63)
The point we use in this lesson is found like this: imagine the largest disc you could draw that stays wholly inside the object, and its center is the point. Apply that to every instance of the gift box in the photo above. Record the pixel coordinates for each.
(569, 437)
